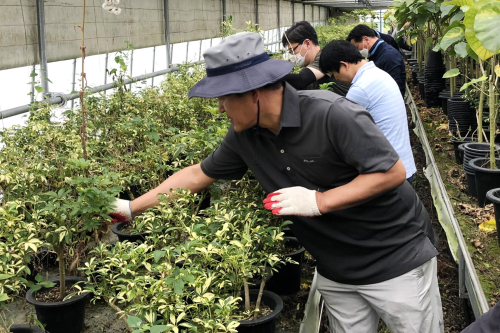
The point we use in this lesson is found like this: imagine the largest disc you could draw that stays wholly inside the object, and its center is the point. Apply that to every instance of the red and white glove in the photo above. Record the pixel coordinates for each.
(122, 212)
(295, 200)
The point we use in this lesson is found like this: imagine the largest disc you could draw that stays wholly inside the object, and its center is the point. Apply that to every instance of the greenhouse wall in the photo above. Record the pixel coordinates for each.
(299, 12)
(286, 13)
(141, 23)
(241, 11)
(309, 16)
(267, 14)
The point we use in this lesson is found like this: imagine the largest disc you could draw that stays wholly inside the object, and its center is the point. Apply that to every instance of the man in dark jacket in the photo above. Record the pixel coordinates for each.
(382, 54)
(387, 38)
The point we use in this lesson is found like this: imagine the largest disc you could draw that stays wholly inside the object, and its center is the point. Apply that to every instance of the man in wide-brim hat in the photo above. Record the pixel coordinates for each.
(330, 170)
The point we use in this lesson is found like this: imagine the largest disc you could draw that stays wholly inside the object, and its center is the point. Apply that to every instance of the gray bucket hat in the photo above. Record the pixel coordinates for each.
(237, 65)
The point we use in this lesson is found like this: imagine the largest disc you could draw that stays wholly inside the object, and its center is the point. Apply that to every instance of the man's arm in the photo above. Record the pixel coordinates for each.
(361, 189)
(304, 78)
(191, 178)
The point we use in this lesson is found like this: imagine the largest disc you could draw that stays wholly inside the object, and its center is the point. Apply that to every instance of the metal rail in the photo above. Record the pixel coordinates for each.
(469, 285)
(62, 98)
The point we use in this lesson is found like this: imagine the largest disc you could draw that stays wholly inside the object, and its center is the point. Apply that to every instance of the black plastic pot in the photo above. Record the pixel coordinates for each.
(486, 179)
(434, 59)
(123, 236)
(459, 153)
(265, 324)
(493, 195)
(288, 232)
(473, 150)
(287, 279)
(25, 329)
(444, 95)
(61, 317)
(461, 117)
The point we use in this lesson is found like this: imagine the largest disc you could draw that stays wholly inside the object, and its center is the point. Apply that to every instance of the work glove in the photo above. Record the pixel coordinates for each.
(122, 212)
(295, 200)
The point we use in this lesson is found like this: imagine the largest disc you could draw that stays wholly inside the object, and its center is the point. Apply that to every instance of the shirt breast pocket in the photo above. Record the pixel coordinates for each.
(317, 170)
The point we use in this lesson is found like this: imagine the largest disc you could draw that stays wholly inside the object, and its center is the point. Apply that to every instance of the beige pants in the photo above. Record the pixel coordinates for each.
(409, 303)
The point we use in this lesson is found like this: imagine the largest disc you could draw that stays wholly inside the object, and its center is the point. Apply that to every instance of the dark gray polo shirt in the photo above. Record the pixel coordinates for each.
(326, 141)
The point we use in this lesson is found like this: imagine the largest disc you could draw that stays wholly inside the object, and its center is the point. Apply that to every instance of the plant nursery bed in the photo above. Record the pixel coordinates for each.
(482, 245)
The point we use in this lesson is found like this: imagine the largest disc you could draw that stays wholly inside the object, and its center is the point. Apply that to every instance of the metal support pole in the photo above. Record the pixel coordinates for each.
(187, 51)
(171, 51)
(278, 32)
(73, 83)
(167, 32)
(153, 69)
(256, 11)
(303, 12)
(199, 53)
(33, 85)
(278, 14)
(40, 14)
(312, 14)
(293, 12)
(380, 17)
(223, 10)
(105, 71)
(131, 65)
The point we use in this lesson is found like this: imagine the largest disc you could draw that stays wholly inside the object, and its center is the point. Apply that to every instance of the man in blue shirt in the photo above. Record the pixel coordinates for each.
(382, 54)
(373, 89)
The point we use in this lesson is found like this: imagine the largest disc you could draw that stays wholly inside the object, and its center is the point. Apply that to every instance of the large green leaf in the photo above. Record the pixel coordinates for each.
(471, 53)
(431, 7)
(451, 37)
(487, 26)
(451, 73)
(445, 9)
(482, 78)
(452, 25)
(470, 34)
(457, 17)
(422, 19)
(461, 49)
(459, 3)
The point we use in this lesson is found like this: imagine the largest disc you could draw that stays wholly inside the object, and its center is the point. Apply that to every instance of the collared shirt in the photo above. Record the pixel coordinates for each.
(376, 91)
(337, 87)
(325, 141)
(389, 60)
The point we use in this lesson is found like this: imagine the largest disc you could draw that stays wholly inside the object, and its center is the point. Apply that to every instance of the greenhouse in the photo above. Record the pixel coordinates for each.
(288, 166)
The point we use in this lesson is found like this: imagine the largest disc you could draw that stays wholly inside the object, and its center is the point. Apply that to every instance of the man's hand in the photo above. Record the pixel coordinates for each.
(292, 201)
(122, 212)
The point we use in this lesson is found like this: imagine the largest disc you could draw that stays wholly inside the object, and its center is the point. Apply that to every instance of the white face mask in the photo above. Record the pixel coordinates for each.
(298, 58)
(364, 52)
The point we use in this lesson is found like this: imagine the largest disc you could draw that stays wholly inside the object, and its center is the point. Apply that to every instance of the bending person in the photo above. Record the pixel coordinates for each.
(330, 170)
(301, 41)
(376, 91)
(382, 54)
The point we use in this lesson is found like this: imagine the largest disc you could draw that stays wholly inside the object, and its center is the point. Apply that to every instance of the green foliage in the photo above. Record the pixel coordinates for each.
(334, 31)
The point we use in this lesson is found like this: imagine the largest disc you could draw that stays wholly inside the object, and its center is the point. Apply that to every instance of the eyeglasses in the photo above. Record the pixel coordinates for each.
(292, 50)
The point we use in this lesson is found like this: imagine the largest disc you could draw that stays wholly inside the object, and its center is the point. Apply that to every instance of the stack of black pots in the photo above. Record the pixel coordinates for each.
(461, 117)
(434, 82)
(407, 54)
(444, 95)
(414, 70)
(474, 150)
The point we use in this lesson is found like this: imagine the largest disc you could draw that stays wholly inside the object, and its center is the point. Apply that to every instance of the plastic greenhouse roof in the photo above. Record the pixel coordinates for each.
(353, 4)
